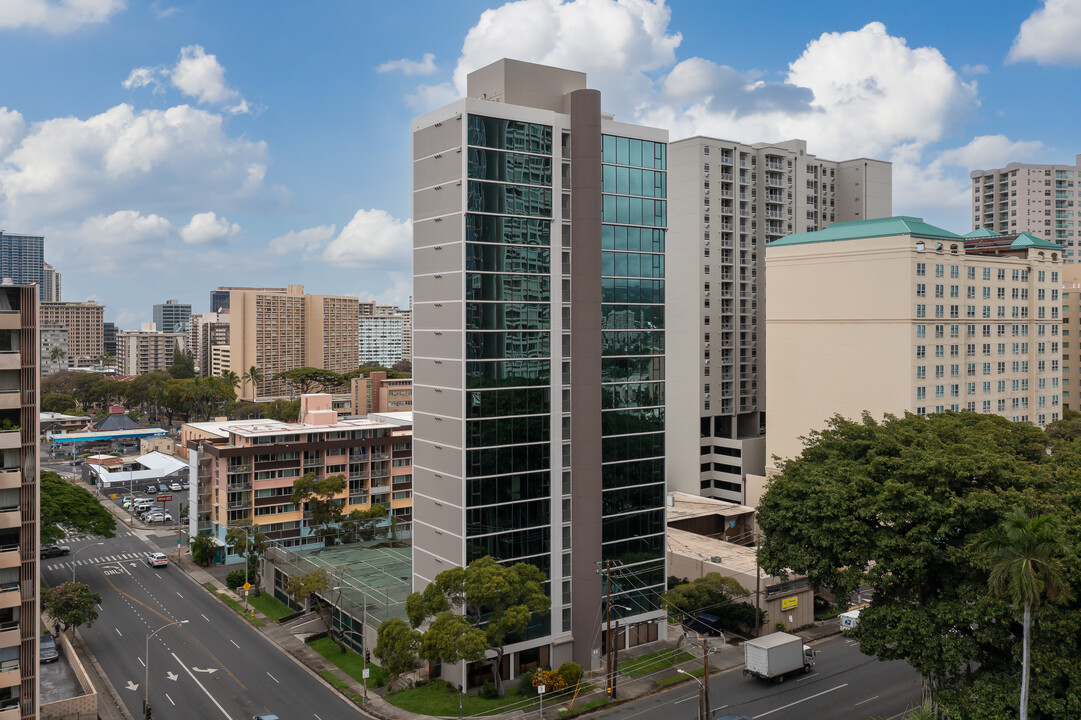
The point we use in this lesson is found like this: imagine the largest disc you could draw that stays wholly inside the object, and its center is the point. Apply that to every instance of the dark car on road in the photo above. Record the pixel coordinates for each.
(55, 551)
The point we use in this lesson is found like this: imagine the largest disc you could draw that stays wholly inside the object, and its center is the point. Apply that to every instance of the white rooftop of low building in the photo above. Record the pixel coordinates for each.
(266, 426)
(683, 505)
(393, 418)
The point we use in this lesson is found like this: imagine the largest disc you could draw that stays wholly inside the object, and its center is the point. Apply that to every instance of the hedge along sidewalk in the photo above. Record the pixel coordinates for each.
(225, 597)
(350, 662)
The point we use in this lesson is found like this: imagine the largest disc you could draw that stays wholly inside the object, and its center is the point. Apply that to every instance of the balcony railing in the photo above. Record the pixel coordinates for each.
(238, 487)
(239, 505)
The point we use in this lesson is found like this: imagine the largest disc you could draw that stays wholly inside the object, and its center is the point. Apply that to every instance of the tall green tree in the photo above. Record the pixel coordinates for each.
(312, 585)
(896, 505)
(71, 603)
(57, 353)
(1023, 553)
(396, 647)
(311, 380)
(232, 378)
(66, 507)
(183, 367)
(497, 600)
(320, 501)
(247, 540)
(715, 594)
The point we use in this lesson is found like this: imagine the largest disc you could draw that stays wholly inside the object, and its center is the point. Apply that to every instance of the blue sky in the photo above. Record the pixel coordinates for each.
(166, 148)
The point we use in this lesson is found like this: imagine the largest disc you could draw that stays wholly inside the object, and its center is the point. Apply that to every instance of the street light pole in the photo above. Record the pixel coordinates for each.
(146, 675)
(74, 554)
(701, 690)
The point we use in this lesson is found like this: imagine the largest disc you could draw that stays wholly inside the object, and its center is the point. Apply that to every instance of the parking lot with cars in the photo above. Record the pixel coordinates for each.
(157, 504)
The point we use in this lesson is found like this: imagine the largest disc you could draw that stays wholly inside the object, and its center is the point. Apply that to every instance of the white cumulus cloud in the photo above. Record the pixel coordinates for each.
(425, 66)
(57, 16)
(308, 239)
(142, 77)
(178, 158)
(989, 151)
(1050, 35)
(207, 226)
(123, 227)
(371, 237)
(12, 129)
(202, 77)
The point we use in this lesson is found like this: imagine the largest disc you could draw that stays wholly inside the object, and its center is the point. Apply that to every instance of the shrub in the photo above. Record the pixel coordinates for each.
(551, 680)
(203, 550)
(235, 579)
(525, 684)
(489, 691)
(571, 672)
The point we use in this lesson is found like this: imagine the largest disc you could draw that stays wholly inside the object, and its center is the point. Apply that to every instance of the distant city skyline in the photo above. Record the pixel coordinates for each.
(184, 145)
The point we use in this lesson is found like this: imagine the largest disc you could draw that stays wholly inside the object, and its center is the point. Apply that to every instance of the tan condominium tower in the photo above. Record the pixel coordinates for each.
(147, 350)
(539, 228)
(896, 315)
(1071, 336)
(729, 200)
(276, 331)
(20, 541)
(1024, 197)
(84, 322)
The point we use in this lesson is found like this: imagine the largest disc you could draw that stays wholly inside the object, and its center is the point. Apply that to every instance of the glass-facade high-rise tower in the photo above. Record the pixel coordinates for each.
(538, 355)
(22, 258)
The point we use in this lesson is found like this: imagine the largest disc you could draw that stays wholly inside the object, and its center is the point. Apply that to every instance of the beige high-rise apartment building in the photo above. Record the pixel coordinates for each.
(20, 503)
(207, 333)
(1071, 337)
(407, 333)
(278, 331)
(1024, 197)
(727, 201)
(85, 325)
(147, 350)
(896, 315)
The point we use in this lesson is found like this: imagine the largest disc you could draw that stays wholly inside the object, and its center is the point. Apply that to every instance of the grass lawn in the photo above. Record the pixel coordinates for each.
(653, 662)
(235, 605)
(342, 687)
(577, 709)
(440, 698)
(270, 606)
(351, 663)
(697, 672)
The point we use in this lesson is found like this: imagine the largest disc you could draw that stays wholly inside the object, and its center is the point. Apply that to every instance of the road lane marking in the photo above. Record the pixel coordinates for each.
(812, 697)
(201, 687)
(172, 676)
(131, 686)
(317, 717)
(169, 699)
(205, 617)
(234, 644)
(179, 595)
(866, 701)
(272, 677)
(140, 661)
(118, 632)
(677, 702)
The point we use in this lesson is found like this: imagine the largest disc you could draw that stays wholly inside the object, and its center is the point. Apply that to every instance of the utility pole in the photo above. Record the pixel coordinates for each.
(757, 591)
(705, 678)
(608, 622)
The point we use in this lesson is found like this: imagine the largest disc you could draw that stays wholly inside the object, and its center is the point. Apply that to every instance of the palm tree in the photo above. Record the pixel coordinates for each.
(1023, 556)
(57, 354)
(232, 378)
(255, 376)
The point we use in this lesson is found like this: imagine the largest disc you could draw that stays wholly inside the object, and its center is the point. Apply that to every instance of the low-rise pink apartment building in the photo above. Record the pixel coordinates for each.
(245, 469)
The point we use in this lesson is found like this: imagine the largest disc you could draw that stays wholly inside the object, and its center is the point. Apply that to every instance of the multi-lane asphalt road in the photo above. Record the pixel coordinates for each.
(844, 685)
(214, 666)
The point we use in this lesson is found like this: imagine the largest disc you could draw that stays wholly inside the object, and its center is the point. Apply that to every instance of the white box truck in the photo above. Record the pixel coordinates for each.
(776, 655)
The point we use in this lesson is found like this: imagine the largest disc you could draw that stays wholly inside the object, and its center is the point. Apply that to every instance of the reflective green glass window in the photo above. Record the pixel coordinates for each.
(509, 199)
(507, 488)
(509, 516)
(632, 290)
(622, 422)
(513, 230)
(632, 447)
(495, 345)
(498, 403)
(512, 545)
(641, 497)
(632, 317)
(637, 472)
(631, 394)
(507, 373)
(634, 525)
(509, 134)
(509, 167)
(634, 550)
(621, 369)
(507, 431)
(509, 459)
(644, 265)
(507, 258)
(527, 288)
(507, 316)
(632, 342)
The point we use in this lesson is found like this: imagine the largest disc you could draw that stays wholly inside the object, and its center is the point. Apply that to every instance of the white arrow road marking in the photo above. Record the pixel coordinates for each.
(201, 687)
(132, 564)
(272, 677)
(207, 670)
(172, 675)
(132, 686)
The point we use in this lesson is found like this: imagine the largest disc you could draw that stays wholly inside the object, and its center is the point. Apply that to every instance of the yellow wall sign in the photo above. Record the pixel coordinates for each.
(789, 603)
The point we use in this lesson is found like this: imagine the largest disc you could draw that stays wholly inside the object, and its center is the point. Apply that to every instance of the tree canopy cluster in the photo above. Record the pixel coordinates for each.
(66, 507)
(920, 509)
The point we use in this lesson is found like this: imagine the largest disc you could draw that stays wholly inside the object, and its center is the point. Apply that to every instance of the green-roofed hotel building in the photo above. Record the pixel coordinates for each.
(896, 315)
